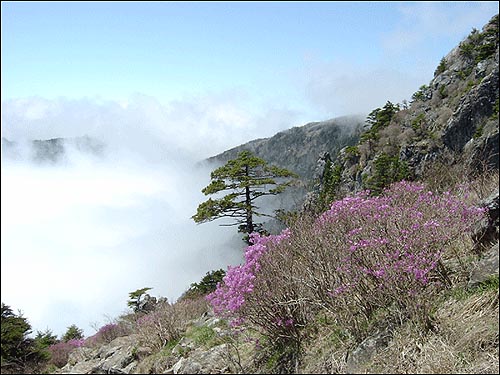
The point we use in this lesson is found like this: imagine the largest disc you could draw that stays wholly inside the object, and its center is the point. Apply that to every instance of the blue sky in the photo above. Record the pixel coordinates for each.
(280, 52)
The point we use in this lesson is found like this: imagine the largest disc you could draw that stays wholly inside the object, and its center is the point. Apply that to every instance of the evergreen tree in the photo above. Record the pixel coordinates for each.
(246, 178)
(41, 343)
(135, 298)
(72, 333)
(207, 284)
(19, 353)
(386, 170)
(15, 329)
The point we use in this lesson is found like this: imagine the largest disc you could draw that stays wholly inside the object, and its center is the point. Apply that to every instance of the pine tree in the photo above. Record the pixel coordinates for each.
(73, 333)
(246, 178)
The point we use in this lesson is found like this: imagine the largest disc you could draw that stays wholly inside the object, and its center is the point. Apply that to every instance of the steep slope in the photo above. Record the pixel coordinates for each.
(452, 122)
(297, 149)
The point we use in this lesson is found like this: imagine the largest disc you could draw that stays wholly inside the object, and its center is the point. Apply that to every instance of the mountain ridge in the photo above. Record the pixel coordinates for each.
(297, 148)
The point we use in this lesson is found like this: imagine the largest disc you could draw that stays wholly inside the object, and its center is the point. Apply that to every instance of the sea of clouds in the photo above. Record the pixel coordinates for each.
(81, 233)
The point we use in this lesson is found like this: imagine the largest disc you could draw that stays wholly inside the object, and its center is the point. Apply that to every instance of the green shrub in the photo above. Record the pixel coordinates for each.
(386, 170)
(204, 336)
(478, 133)
(443, 92)
(378, 119)
(466, 49)
(332, 177)
(441, 67)
(494, 115)
(417, 122)
(206, 285)
(352, 151)
(421, 94)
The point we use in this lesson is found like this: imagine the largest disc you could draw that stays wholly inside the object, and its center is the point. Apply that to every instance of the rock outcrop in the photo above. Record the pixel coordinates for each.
(117, 357)
(453, 119)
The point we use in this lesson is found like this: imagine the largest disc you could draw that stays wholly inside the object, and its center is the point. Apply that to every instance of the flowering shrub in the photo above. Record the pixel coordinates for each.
(264, 291)
(363, 254)
(159, 327)
(386, 250)
(238, 282)
(59, 352)
(106, 334)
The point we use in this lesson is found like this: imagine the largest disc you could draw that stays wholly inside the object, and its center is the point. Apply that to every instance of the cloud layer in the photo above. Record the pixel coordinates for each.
(79, 235)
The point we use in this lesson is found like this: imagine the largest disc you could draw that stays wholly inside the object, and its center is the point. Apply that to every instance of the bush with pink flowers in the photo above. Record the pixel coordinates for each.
(59, 352)
(363, 254)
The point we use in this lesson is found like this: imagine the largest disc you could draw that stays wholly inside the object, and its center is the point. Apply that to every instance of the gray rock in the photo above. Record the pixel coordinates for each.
(362, 355)
(175, 369)
(476, 106)
(147, 304)
(486, 232)
(486, 268)
(202, 361)
(117, 357)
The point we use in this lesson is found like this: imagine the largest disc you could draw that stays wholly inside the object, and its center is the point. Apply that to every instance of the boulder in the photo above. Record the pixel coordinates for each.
(486, 268)
(117, 357)
(474, 108)
(361, 356)
(486, 232)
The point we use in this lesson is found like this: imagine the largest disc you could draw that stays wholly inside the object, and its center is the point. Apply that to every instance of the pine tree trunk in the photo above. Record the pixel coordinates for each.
(248, 203)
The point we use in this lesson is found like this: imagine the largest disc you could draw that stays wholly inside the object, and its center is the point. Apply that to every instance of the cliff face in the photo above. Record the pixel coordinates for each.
(453, 119)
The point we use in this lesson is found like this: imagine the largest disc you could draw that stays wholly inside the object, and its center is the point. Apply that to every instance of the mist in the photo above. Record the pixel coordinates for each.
(81, 233)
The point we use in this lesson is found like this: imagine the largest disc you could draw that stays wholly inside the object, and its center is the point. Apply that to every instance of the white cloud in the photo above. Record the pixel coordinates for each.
(423, 24)
(80, 237)
(196, 127)
(77, 237)
(407, 58)
(340, 87)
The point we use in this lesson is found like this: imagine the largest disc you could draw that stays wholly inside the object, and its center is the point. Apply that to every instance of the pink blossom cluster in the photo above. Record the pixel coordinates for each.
(60, 352)
(385, 249)
(393, 240)
(229, 296)
(106, 333)
(76, 342)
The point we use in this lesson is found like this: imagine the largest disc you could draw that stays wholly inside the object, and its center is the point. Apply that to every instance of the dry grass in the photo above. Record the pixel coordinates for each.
(465, 341)
(484, 185)
(169, 321)
(451, 174)
(326, 354)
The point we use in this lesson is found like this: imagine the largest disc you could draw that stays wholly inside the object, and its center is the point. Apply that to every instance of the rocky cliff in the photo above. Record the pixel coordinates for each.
(453, 120)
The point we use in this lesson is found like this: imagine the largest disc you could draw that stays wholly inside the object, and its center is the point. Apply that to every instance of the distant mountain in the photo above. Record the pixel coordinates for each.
(51, 150)
(298, 148)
